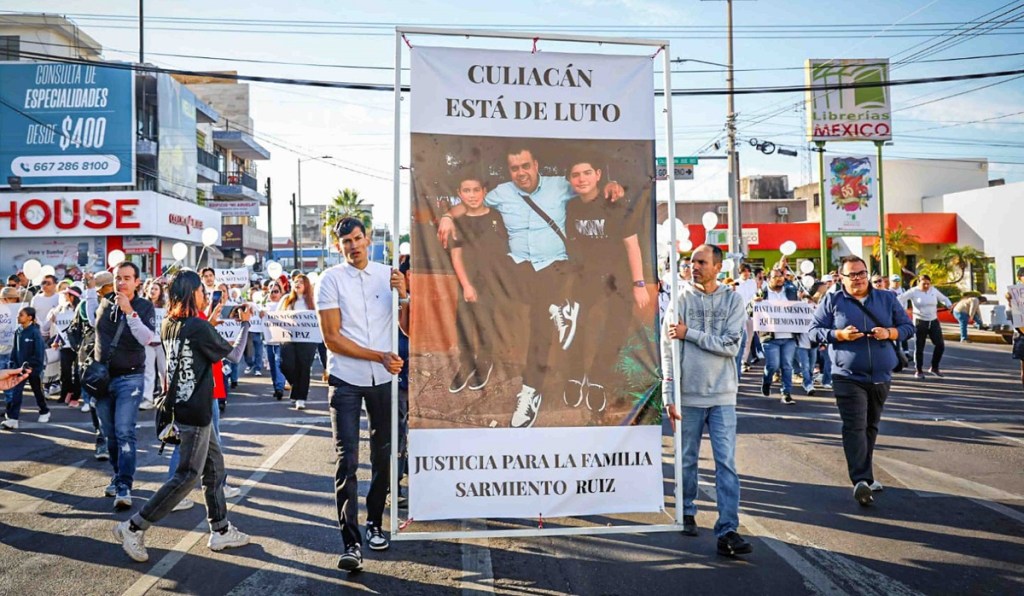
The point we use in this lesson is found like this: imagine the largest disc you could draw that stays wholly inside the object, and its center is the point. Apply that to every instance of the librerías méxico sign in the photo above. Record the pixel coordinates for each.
(859, 111)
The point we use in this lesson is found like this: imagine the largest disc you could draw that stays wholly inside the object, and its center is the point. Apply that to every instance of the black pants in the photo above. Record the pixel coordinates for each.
(296, 358)
(346, 405)
(69, 382)
(860, 407)
(605, 314)
(475, 330)
(540, 290)
(929, 330)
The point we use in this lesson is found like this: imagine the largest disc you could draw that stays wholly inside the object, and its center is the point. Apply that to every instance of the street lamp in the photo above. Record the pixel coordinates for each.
(296, 235)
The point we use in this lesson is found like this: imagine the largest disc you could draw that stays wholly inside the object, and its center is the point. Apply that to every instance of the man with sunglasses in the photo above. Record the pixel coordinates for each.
(45, 301)
(859, 325)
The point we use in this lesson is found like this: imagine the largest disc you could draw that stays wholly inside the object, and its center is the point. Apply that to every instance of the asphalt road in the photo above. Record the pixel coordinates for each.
(950, 521)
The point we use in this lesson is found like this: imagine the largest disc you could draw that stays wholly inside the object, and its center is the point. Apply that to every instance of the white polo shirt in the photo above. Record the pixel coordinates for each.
(364, 298)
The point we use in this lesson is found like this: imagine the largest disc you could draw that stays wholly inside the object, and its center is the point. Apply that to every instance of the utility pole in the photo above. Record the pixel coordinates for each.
(270, 219)
(735, 219)
(295, 234)
(142, 53)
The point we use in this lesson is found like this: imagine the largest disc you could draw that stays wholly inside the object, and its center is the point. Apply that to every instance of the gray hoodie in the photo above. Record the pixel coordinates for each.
(708, 355)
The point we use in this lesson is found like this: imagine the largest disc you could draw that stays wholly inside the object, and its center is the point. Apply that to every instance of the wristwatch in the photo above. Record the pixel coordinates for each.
(134, 315)
(639, 283)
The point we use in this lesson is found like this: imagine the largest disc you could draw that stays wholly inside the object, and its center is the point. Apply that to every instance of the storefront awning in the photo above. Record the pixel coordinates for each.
(930, 228)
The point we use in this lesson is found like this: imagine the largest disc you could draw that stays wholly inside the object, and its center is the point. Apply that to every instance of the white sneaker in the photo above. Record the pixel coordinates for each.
(44, 418)
(184, 504)
(230, 539)
(9, 424)
(133, 543)
(527, 405)
(230, 492)
(570, 313)
(876, 487)
(573, 393)
(300, 404)
(556, 315)
(146, 404)
(86, 407)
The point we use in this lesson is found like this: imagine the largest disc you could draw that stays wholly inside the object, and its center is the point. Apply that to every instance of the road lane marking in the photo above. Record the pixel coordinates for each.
(991, 432)
(179, 550)
(27, 496)
(477, 570)
(1000, 508)
(926, 482)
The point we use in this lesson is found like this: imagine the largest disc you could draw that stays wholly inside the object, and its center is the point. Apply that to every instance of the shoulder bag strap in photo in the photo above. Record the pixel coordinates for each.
(547, 218)
(900, 358)
(117, 337)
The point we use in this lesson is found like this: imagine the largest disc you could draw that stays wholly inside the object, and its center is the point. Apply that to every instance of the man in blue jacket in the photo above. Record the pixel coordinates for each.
(859, 325)
(30, 350)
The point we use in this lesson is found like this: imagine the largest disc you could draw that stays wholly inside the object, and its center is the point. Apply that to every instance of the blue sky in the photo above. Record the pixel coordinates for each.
(772, 41)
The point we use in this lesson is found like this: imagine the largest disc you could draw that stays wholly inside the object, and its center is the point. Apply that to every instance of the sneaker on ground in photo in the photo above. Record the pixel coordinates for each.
(184, 504)
(133, 543)
(862, 493)
(123, 500)
(230, 537)
(375, 537)
(527, 408)
(351, 559)
(733, 544)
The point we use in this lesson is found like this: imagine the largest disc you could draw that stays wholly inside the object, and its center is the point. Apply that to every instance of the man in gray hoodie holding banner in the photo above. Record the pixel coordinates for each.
(708, 323)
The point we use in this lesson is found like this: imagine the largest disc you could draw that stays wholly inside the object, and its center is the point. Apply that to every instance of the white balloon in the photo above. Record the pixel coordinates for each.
(728, 265)
(114, 257)
(682, 232)
(404, 249)
(32, 268)
(788, 247)
(686, 246)
(274, 269)
(661, 233)
(179, 251)
(808, 280)
(210, 236)
(313, 277)
(807, 266)
(710, 220)
(249, 260)
(38, 281)
(47, 270)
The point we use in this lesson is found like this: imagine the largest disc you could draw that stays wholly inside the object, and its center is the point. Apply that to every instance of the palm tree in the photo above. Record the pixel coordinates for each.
(959, 258)
(899, 242)
(347, 204)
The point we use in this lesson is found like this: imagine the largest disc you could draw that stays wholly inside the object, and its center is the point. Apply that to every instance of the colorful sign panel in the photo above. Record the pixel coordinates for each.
(859, 111)
(533, 368)
(66, 125)
(851, 203)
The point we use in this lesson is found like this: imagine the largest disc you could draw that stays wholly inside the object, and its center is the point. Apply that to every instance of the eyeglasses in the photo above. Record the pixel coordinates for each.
(47, 283)
(855, 274)
(876, 281)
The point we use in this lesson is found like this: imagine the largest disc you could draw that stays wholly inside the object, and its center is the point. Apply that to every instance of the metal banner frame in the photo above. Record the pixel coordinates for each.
(662, 46)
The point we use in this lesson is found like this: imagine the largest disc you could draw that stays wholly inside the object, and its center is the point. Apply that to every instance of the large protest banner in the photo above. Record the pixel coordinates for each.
(533, 357)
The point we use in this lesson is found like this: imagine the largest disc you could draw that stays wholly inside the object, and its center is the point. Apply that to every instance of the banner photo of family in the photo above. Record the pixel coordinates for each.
(534, 317)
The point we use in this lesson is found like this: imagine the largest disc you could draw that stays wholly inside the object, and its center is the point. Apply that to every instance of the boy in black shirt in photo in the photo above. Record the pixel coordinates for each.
(479, 250)
(604, 251)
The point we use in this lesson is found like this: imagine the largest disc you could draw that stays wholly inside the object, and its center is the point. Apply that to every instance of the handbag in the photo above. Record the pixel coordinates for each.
(167, 430)
(901, 358)
(96, 378)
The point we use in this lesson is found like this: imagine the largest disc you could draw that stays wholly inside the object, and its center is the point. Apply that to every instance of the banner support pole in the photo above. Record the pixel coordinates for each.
(821, 205)
(397, 184)
(883, 254)
(677, 439)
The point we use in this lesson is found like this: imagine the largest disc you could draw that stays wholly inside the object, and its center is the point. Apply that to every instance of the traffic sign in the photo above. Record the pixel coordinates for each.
(681, 166)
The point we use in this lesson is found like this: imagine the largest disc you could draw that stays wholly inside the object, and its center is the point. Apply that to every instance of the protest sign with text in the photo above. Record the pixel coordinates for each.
(233, 277)
(783, 316)
(300, 326)
(1017, 304)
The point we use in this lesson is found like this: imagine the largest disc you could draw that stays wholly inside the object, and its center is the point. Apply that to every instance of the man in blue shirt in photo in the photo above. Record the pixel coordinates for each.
(538, 258)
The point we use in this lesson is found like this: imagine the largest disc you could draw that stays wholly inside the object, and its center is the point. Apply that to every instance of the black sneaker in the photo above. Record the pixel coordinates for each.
(460, 380)
(788, 399)
(352, 560)
(689, 525)
(862, 492)
(375, 538)
(481, 374)
(810, 391)
(766, 387)
(935, 372)
(278, 394)
(733, 544)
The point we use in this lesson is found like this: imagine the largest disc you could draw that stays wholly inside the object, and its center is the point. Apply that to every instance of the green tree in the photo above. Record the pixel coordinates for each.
(899, 242)
(346, 204)
(959, 258)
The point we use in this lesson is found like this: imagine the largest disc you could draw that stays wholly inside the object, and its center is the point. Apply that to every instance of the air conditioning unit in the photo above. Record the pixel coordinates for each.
(782, 210)
(723, 210)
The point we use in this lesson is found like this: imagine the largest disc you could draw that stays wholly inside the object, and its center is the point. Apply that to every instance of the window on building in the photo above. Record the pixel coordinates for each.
(1018, 262)
(983, 279)
(817, 199)
(10, 47)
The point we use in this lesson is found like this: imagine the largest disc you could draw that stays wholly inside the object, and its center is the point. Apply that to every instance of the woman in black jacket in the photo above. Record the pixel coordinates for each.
(192, 346)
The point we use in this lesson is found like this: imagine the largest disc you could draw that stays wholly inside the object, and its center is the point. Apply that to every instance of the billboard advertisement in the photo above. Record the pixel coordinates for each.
(860, 112)
(176, 157)
(533, 361)
(851, 206)
(66, 124)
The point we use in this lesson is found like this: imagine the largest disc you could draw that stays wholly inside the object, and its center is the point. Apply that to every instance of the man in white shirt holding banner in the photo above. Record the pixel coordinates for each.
(355, 310)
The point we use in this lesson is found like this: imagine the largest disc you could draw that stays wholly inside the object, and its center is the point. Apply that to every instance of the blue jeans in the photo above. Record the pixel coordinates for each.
(346, 407)
(721, 423)
(117, 413)
(274, 357)
(256, 361)
(964, 318)
(805, 358)
(739, 356)
(778, 353)
(176, 454)
(232, 376)
(34, 381)
(825, 365)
